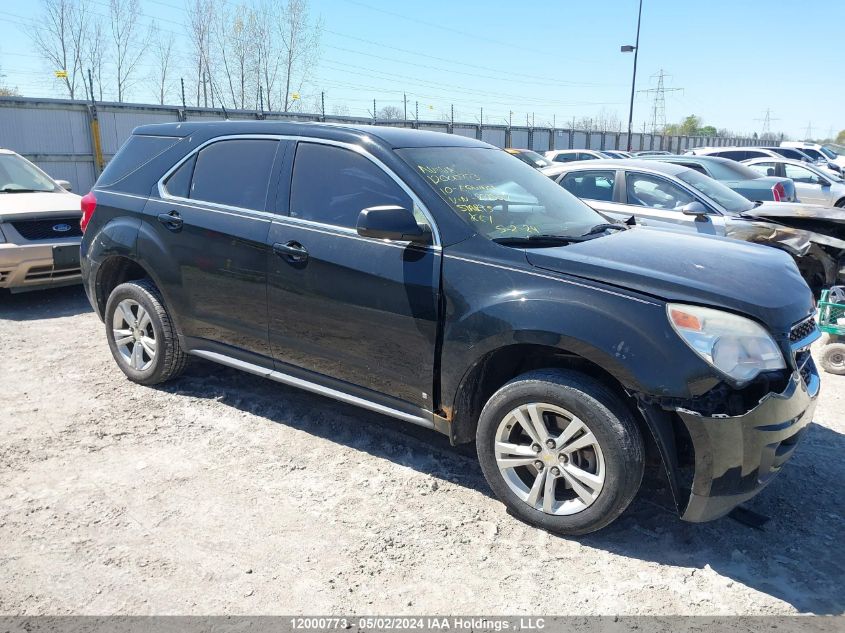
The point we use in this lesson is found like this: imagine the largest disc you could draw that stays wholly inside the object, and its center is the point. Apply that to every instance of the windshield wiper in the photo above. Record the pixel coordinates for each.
(538, 240)
(14, 190)
(601, 228)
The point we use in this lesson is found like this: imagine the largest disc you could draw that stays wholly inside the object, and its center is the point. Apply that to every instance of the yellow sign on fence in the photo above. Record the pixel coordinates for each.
(60, 74)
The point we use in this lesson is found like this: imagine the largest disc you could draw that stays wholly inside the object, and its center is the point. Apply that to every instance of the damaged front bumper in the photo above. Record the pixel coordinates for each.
(737, 456)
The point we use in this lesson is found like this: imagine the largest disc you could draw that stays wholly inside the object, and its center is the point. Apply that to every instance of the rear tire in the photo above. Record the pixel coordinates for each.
(561, 451)
(840, 203)
(832, 358)
(141, 335)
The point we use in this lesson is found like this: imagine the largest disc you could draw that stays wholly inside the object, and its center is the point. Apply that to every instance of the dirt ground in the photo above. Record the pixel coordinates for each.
(227, 493)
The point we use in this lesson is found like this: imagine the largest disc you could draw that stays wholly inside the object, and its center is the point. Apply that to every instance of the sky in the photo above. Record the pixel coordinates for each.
(732, 60)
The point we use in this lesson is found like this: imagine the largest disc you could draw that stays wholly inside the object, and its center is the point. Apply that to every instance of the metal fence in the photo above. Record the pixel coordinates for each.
(58, 134)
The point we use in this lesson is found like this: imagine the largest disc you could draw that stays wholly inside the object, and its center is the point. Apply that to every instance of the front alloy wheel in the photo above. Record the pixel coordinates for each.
(549, 458)
(561, 450)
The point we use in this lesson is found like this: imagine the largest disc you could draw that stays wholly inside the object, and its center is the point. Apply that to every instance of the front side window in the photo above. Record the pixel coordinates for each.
(657, 193)
(828, 152)
(592, 185)
(18, 175)
(500, 197)
(800, 174)
(729, 199)
(332, 185)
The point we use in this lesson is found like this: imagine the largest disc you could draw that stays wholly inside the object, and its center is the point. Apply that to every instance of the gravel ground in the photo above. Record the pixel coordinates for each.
(227, 493)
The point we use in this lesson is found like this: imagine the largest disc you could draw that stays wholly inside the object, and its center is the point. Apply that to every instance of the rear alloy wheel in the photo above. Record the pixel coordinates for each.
(141, 335)
(561, 450)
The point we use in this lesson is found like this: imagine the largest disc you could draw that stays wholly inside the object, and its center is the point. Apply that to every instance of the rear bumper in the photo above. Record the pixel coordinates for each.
(30, 266)
(736, 457)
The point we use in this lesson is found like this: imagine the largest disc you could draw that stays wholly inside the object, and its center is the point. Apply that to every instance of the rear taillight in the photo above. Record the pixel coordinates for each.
(88, 204)
(778, 192)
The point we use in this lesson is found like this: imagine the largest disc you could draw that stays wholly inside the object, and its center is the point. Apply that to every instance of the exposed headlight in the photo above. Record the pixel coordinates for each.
(738, 347)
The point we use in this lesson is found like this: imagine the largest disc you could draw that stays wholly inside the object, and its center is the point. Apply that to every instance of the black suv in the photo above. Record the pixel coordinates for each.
(438, 280)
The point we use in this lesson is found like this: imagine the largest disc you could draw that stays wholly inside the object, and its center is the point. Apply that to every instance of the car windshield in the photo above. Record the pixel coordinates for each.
(532, 158)
(713, 189)
(828, 151)
(19, 175)
(500, 197)
(730, 170)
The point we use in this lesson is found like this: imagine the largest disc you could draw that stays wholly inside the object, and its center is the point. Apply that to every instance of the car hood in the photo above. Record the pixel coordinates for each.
(759, 281)
(796, 210)
(14, 206)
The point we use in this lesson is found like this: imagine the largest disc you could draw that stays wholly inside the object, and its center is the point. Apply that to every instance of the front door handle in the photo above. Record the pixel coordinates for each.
(291, 251)
(171, 221)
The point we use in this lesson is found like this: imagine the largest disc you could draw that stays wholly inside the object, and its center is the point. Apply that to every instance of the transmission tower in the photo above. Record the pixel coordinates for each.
(767, 119)
(658, 108)
(808, 134)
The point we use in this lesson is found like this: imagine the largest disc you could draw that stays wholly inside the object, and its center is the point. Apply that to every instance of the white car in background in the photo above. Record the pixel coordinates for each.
(817, 151)
(813, 185)
(39, 227)
(572, 155)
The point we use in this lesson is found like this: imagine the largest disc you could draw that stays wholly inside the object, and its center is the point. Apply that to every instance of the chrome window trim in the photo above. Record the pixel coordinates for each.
(164, 195)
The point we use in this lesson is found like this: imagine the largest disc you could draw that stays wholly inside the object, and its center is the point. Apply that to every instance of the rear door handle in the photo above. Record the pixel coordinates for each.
(291, 251)
(171, 221)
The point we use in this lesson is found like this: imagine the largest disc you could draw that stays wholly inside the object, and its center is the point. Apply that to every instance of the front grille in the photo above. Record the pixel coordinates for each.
(802, 330)
(51, 229)
(804, 363)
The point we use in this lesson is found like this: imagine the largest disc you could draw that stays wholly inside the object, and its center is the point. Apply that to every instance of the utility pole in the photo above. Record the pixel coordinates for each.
(453, 115)
(182, 81)
(636, 51)
(417, 111)
(767, 119)
(405, 101)
(658, 108)
(481, 120)
(323, 104)
(510, 119)
(374, 110)
(204, 92)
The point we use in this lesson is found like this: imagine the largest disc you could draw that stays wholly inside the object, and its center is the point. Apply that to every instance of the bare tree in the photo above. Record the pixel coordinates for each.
(267, 53)
(7, 91)
(340, 109)
(200, 20)
(161, 49)
(300, 43)
(129, 42)
(233, 35)
(94, 55)
(60, 37)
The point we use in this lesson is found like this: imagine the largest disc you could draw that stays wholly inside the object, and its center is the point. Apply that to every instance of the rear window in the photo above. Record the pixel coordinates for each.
(134, 154)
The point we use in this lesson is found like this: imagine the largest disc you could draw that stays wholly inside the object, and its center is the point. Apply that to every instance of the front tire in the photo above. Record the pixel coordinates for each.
(561, 450)
(141, 335)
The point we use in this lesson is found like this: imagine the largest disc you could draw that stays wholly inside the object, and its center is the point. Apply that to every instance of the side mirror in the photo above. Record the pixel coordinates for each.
(824, 183)
(392, 222)
(694, 208)
(64, 184)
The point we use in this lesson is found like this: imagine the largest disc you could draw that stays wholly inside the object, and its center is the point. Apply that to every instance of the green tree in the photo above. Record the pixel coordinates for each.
(690, 125)
(707, 130)
(840, 138)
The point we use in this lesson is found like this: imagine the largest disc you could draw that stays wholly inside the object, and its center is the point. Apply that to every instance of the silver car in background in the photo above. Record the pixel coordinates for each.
(675, 197)
(812, 184)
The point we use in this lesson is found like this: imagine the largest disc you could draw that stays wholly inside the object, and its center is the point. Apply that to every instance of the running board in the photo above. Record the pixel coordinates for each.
(293, 381)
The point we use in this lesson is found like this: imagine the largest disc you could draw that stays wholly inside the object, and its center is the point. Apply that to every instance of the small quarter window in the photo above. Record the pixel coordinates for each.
(179, 182)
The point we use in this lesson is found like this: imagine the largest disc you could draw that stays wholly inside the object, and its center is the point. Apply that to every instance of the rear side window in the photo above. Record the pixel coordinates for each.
(733, 154)
(235, 173)
(592, 185)
(134, 154)
(333, 185)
